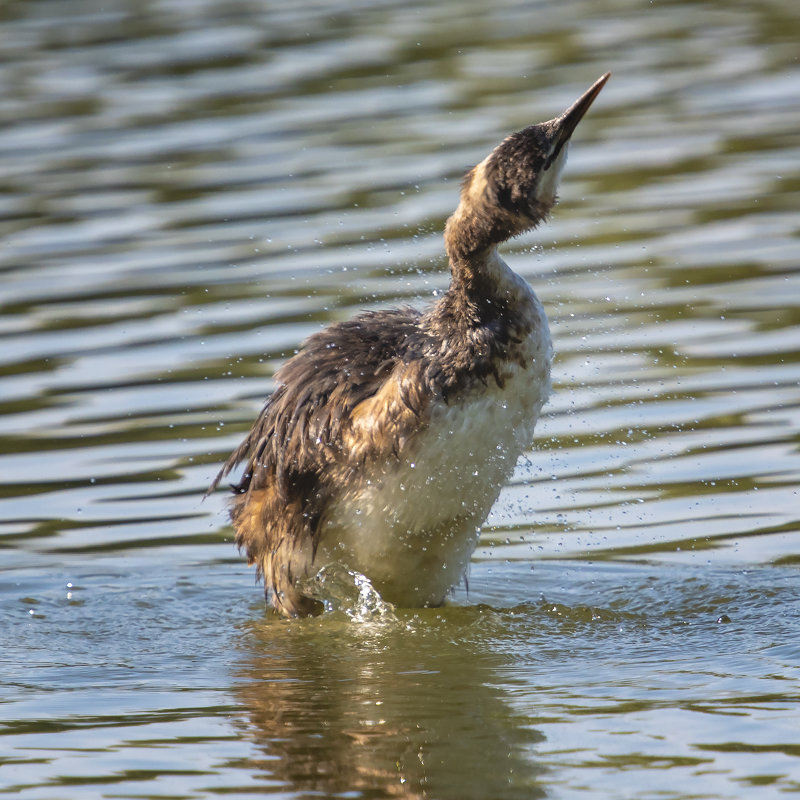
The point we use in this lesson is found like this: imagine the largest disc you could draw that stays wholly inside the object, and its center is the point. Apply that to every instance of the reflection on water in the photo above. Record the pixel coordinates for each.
(189, 189)
(505, 701)
(398, 709)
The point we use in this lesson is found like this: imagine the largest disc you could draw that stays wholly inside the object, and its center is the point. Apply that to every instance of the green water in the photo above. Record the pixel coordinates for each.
(190, 189)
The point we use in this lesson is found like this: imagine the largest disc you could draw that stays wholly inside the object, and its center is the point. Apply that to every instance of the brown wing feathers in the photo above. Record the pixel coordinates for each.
(347, 381)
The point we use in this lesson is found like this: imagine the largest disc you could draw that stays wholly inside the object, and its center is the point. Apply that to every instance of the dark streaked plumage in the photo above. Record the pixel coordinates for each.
(389, 436)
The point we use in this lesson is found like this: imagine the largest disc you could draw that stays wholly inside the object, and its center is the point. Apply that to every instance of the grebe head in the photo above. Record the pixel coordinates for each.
(514, 188)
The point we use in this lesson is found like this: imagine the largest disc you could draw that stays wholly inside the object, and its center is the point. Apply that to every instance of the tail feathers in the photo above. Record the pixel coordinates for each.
(277, 537)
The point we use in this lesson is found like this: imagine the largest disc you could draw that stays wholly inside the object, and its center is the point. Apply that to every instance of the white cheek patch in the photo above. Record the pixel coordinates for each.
(548, 183)
(477, 186)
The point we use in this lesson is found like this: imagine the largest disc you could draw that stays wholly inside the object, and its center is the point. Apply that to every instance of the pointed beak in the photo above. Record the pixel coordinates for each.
(565, 125)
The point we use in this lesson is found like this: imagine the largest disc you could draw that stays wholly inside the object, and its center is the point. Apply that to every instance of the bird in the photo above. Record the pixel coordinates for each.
(389, 436)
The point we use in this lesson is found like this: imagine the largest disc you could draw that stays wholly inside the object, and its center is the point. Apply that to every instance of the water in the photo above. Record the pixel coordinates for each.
(190, 189)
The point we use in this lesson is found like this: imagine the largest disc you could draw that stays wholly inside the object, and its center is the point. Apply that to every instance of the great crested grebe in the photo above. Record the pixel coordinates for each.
(389, 437)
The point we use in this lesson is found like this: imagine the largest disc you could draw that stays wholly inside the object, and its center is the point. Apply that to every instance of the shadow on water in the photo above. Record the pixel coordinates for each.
(404, 707)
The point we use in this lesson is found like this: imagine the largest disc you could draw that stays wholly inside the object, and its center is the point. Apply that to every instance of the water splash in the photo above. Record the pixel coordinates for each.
(350, 593)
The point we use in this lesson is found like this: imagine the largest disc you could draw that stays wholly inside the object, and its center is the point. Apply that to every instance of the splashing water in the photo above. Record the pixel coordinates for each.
(349, 592)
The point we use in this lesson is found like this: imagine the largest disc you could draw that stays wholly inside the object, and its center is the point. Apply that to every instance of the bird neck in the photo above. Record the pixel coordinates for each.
(483, 277)
(478, 273)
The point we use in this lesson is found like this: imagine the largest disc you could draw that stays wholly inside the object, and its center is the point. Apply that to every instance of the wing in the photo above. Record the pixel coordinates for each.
(354, 393)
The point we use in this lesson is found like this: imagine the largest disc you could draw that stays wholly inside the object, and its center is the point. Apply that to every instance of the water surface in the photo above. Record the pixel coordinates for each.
(190, 189)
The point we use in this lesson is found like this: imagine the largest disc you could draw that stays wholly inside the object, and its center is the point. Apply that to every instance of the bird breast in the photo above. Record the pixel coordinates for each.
(411, 525)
